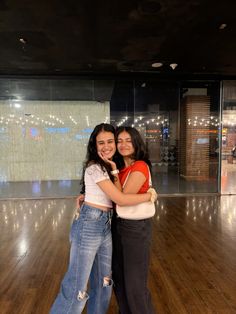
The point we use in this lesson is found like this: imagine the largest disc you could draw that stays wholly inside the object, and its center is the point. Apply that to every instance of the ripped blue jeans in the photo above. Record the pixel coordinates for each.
(90, 260)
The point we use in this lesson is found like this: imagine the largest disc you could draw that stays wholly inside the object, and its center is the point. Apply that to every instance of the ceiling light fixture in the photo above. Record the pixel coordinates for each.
(22, 40)
(222, 26)
(173, 66)
(157, 64)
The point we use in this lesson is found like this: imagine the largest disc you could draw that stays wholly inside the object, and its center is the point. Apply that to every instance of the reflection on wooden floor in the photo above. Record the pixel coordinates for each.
(228, 176)
(193, 264)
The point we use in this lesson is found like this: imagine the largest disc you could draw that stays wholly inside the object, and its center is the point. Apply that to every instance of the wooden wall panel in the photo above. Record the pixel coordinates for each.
(194, 137)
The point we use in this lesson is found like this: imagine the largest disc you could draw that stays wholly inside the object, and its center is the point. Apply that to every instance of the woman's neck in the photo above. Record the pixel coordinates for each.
(128, 161)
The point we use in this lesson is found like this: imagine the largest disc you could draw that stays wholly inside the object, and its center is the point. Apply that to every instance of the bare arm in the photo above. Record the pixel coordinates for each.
(117, 182)
(119, 197)
(134, 182)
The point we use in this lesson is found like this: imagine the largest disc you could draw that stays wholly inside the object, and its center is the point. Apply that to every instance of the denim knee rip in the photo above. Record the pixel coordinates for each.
(82, 295)
(107, 281)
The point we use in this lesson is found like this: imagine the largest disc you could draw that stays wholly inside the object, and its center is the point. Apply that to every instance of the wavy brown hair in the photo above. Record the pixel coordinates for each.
(92, 154)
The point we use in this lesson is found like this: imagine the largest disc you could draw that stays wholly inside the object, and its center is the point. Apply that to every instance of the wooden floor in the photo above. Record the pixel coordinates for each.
(193, 261)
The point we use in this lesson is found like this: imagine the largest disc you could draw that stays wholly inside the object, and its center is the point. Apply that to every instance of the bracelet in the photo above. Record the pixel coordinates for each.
(115, 171)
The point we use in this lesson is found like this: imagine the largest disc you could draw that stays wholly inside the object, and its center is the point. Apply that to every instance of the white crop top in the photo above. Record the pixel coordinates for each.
(93, 193)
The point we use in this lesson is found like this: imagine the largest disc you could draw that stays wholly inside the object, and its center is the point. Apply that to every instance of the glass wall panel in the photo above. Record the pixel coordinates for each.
(45, 125)
(156, 117)
(180, 125)
(228, 167)
(122, 103)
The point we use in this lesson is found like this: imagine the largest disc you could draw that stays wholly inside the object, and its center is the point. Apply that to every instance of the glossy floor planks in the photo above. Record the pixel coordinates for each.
(193, 258)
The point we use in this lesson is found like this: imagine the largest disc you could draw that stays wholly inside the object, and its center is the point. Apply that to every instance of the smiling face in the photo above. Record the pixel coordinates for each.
(106, 145)
(124, 144)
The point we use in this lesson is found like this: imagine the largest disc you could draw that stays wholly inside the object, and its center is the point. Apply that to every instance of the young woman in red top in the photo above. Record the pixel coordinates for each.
(132, 238)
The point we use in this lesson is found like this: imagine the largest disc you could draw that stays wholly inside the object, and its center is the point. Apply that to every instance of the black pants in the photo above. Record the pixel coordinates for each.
(131, 244)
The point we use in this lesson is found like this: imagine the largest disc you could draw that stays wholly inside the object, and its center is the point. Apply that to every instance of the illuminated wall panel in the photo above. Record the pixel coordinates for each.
(46, 140)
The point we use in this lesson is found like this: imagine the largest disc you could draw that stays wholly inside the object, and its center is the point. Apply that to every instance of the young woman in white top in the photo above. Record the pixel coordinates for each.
(91, 244)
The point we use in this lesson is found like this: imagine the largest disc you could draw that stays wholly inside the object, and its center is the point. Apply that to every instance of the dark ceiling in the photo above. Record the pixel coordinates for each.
(73, 37)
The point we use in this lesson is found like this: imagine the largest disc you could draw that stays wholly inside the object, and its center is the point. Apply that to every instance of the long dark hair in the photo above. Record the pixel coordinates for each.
(92, 154)
(140, 150)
